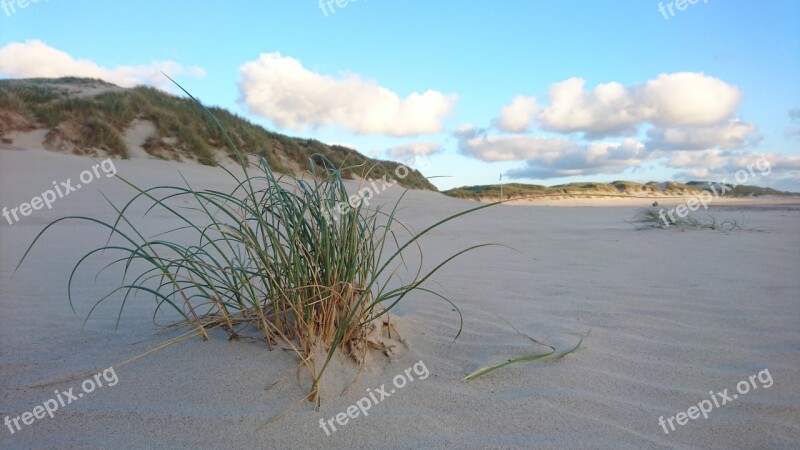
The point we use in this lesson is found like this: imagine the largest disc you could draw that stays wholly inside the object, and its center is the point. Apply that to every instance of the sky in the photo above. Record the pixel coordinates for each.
(530, 91)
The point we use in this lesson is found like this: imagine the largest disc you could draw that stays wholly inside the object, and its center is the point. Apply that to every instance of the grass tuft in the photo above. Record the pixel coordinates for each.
(269, 255)
(646, 218)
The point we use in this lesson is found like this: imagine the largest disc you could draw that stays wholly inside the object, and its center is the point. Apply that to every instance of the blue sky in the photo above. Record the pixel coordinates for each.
(604, 90)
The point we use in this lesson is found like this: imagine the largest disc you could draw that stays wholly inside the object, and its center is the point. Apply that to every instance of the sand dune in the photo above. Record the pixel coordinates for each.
(671, 315)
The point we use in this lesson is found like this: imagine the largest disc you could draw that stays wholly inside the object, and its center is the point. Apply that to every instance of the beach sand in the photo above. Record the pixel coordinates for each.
(670, 316)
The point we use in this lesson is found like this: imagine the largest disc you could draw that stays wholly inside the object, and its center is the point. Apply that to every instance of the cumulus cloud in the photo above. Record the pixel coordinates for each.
(687, 98)
(689, 117)
(479, 144)
(725, 166)
(414, 150)
(609, 109)
(696, 159)
(582, 160)
(547, 157)
(783, 163)
(280, 89)
(612, 109)
(734, 134)
(34, 58)
(416, 154)
(517, 117)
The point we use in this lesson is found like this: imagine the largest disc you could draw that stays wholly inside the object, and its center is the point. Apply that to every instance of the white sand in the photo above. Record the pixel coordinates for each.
(672, 316)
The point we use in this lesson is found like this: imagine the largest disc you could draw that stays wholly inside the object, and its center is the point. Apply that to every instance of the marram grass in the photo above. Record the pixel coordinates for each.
(268, 255)
(658, 218)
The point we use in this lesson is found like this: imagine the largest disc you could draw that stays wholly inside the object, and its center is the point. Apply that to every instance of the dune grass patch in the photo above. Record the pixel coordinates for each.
(268, 255)
(646, 218)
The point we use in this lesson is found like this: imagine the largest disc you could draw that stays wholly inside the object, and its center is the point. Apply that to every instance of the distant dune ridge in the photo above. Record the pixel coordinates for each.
(653, 189)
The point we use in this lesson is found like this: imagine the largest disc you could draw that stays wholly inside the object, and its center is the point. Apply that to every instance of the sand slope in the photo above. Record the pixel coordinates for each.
(672, 315)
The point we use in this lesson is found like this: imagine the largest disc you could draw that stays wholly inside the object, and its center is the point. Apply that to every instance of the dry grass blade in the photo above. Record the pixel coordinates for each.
(551, 354)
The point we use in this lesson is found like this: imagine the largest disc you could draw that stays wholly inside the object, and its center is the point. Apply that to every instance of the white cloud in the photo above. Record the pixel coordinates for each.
(688, 98)
(584, 160)
(696, 159)
(609, 109)
(416, 155)
(762, 169)
(517, 117)
(547, 157)
(783, 163)
(465, 130)
(479, 144)
(34, 58)
(414, 150)
(279, 88)
(734, 134)
(612, 109)
(690, 116)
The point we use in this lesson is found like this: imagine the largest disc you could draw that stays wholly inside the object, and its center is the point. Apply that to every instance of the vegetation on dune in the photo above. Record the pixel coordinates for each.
(582, 187)
(676, 188)
(646, 218)
(742, 190)
(510, 190)
(617, 188)
(99, 121)
(520, 190)
(632, 187)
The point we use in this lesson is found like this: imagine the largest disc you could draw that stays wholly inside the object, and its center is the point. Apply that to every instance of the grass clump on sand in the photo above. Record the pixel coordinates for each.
(288, 256)
(658, 218)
